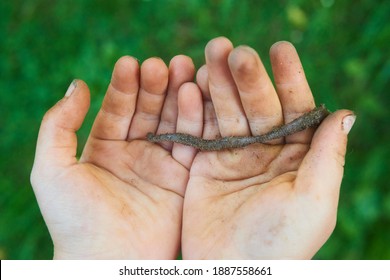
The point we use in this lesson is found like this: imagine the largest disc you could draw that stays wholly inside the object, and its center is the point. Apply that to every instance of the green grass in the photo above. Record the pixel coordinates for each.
(343, 46)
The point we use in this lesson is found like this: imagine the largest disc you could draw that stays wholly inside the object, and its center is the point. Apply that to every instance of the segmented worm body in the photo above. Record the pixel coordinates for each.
(310, 119)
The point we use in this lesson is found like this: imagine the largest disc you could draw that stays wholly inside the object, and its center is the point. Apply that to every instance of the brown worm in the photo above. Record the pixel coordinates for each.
(309, 119)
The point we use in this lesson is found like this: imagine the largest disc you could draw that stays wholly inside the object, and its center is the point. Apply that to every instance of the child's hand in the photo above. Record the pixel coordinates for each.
(123, 198)
(262, 201)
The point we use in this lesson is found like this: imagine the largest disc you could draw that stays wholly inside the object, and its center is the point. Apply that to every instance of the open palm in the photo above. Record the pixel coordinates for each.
(263, 201)
(128, 198)
(123, 198)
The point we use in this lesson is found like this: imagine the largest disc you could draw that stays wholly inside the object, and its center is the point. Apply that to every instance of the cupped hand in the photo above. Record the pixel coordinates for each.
(264, 201)
(123, 198)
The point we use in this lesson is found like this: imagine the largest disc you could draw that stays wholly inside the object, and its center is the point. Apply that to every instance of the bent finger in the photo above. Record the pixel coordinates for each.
(321, 171)
(57, 140)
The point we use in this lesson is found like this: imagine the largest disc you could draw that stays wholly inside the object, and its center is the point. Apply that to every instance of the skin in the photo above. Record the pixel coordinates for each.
(263, 201)
(132, 199)
(309, 119)
(123, 199)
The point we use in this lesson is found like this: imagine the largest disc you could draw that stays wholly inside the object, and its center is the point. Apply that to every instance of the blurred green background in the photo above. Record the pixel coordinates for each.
(344, 47)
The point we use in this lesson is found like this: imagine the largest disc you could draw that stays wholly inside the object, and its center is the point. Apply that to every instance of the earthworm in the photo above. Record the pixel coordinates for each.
(309, 119)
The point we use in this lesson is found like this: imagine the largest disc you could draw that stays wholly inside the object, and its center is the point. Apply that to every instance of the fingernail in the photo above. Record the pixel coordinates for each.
(71, 88)
(348, 122)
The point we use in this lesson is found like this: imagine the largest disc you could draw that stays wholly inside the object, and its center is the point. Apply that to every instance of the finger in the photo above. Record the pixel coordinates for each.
(114, 118)
(202, 80)
(224, 94)
(210, 127)
(258, 96)
(57, 140)
(321, 170)
(181, 70)
(151, 96)
(292, 87)
(190, 121)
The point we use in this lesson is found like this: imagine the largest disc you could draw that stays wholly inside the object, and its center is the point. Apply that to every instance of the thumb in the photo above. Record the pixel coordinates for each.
(322, 169)
(57, 140)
